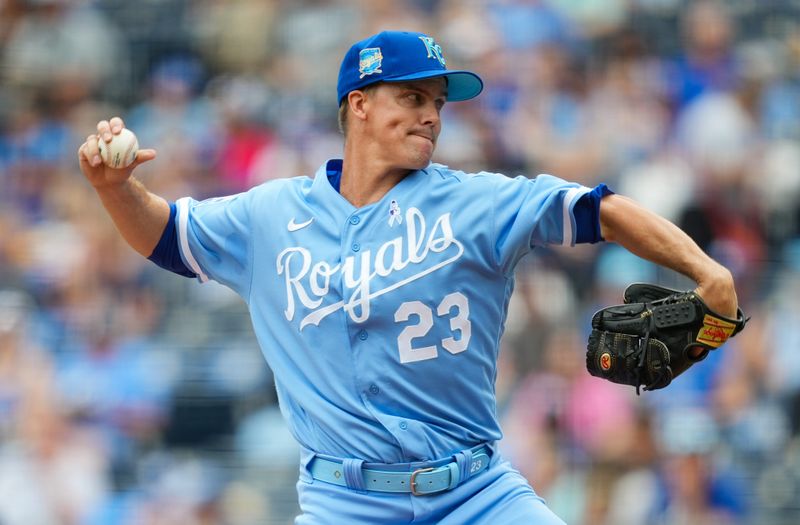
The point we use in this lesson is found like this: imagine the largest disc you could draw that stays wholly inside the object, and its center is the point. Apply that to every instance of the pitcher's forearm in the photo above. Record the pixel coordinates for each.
(656, 239)
(140, 216)
(651, 237)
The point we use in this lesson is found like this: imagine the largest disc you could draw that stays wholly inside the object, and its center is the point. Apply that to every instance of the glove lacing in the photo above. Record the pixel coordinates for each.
(644, 352)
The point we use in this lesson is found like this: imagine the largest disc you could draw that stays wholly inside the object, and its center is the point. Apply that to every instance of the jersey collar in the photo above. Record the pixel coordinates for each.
(325, 189)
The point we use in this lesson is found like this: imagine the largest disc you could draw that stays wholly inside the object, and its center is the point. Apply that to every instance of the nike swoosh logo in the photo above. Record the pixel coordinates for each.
(293, 226)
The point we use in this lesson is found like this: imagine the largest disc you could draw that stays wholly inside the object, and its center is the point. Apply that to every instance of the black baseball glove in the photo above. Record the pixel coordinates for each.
(651, 339)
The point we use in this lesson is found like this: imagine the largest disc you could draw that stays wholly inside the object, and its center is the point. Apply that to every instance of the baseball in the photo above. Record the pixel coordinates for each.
(121, 151)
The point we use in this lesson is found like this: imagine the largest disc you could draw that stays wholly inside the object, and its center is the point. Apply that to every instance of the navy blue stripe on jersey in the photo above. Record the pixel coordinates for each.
(166, 253)
(587, 215)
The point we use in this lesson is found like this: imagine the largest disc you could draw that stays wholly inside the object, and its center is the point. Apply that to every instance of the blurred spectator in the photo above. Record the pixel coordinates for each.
(553, 120)
(717, 136)
(40, 447)
(626, 101)
(635, 493)
(244, 50)
(697, 490)
(115, 379)
(61, 48)
(55, 474)
(526, 25)
(179, 123)
(246, 141)
(707, 63)
(34, 143)
(25, 371)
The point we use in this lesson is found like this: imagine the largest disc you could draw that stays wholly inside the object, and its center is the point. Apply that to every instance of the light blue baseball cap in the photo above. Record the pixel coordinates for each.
(400, 56)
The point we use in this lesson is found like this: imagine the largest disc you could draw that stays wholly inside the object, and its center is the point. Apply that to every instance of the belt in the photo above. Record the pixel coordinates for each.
(419, 482)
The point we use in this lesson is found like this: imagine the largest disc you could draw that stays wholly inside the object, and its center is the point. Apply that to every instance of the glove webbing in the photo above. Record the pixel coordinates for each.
(662, 316)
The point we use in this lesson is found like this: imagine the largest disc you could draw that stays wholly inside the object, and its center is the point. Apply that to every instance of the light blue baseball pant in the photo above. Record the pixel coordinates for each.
(497, 496)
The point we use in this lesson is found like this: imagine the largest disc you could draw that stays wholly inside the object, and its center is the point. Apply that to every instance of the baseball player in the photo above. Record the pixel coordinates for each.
(378, 290)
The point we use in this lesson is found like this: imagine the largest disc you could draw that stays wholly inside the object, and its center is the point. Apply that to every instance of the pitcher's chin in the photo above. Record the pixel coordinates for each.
(421, 157)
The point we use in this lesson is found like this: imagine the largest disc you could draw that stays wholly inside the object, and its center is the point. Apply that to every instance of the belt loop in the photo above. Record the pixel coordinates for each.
(306, 460)
(352, 474)
(464, 462)
(455, 475)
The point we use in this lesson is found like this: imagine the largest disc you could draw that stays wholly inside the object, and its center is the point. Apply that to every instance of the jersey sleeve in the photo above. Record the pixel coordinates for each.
(214, 237)
(537, 212)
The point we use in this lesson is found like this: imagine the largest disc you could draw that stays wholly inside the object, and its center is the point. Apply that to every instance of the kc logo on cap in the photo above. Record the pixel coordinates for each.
(402, 56)
(434, 49)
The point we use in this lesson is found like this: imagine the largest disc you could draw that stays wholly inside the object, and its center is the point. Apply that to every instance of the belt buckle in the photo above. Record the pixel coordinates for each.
(413, 483)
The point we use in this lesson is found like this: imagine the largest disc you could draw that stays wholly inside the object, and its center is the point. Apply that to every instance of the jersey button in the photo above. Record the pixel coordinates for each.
(355, 219)
(363, 335)
(403, 425)
(374, 390)
(356, 246)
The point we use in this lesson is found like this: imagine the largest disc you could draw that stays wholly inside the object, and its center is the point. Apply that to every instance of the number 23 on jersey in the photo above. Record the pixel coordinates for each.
(454, 306)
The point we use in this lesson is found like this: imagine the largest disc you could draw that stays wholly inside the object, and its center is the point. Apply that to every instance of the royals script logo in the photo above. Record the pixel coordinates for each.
(308, 281)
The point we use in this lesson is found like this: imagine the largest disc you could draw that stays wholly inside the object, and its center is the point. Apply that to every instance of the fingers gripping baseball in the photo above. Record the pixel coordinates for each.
(110, 156)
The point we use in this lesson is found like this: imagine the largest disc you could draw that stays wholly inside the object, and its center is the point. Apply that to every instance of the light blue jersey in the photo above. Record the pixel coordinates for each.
(381, 323)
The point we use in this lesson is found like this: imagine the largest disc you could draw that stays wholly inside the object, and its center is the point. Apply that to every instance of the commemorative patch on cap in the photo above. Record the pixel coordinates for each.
(369, 61)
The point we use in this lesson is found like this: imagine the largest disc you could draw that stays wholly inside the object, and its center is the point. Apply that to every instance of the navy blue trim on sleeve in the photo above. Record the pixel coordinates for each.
(587, 215)
(166, 253)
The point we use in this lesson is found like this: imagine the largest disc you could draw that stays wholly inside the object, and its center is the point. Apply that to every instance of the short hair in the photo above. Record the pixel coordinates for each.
(342, 117)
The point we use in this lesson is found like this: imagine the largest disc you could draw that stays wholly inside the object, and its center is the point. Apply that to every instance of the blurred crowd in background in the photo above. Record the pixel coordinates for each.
(129, 395)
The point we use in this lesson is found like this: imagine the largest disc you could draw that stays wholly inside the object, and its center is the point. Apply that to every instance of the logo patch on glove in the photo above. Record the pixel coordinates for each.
(715, 331)
(606, 362)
